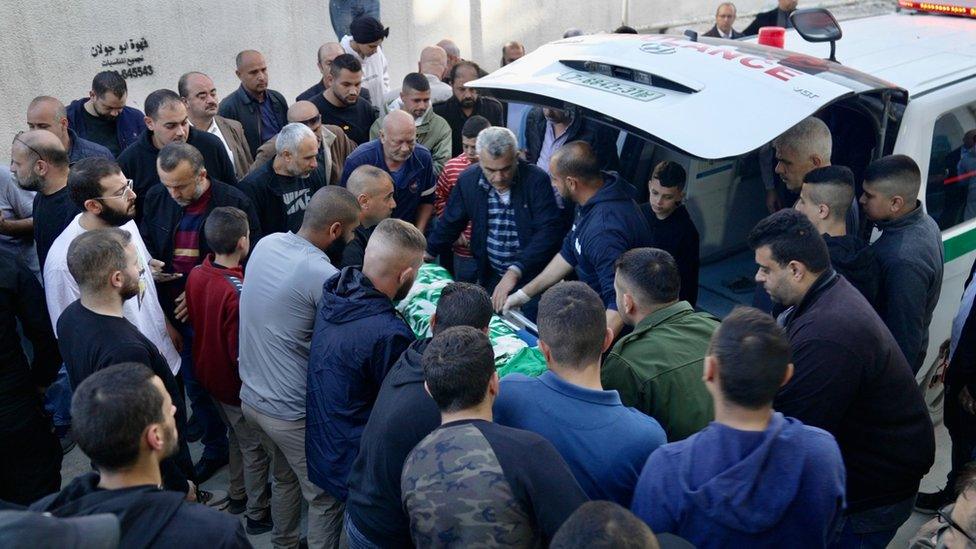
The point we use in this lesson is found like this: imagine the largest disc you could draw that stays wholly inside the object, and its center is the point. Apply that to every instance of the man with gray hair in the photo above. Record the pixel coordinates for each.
(411, 166)
(283, 287)
(47, 113)
(515, 224)
(453, 52)
(280, 189)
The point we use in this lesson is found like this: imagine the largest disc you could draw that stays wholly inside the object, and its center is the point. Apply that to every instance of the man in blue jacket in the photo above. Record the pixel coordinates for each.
(753, 477)
(103, 118)
(357, 338)
(516, 224)
(608, 223)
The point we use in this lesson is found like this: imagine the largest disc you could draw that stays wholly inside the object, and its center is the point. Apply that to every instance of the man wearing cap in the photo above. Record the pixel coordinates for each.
(364, 41)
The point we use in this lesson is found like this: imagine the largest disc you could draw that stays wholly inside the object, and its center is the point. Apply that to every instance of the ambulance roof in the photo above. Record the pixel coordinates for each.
(916, 51)
(712, 99)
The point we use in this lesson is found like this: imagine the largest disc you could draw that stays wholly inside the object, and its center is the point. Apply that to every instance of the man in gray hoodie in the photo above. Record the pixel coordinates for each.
(909, 251)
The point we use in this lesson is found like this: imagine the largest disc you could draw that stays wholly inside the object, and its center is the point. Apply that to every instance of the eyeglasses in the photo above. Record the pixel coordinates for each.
(312, 121)
(121, 193)
(24, 143)
(944, 517)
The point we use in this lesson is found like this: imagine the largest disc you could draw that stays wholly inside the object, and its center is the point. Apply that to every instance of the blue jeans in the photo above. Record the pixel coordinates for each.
(356, 538)
(873, 528)
(57, 401)
(342, 12)
(215, 444)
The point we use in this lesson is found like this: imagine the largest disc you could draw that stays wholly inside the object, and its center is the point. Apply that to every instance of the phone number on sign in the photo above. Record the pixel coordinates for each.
(136, 72)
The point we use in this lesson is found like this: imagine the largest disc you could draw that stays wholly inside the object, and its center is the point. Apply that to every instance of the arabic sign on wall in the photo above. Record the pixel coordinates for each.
(126, 57)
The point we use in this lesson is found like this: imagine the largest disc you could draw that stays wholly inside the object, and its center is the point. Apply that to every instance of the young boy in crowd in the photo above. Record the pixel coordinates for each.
(672, 229)
(212, 297)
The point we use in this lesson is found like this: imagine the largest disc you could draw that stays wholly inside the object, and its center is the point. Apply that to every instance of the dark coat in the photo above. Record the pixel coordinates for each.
(148, 517)
(357, 338)
(537, 220)
(851, 379)
(855, 260)
(763, 19)
(713, 32)
(239, 106)
(130, 123)
(962, 367)
(262, 188)
(601, 138)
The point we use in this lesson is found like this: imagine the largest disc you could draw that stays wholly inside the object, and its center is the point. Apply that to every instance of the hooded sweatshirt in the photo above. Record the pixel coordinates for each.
(403, 415)
(856, 261)
(149, 517)
(722, 487)
(608, 225)
(357, 338)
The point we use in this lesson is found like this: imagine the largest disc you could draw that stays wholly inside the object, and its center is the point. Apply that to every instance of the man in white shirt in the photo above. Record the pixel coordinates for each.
(106, 197)
(724, 19)
(433, 65)
(200, 97)
(364, 41)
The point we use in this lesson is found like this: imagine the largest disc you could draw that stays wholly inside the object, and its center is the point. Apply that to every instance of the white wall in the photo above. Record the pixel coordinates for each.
(47, 46)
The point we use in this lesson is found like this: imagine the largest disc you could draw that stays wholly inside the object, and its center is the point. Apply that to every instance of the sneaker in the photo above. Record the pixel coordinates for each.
(216, 499)
(260, 526)
(237, 506)
(930, 503)
(206, 468)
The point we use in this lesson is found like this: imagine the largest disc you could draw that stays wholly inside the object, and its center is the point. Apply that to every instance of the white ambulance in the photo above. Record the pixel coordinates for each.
(905, 83)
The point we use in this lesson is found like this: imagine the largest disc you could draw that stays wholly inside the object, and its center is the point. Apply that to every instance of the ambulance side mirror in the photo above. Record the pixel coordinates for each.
(817, 25)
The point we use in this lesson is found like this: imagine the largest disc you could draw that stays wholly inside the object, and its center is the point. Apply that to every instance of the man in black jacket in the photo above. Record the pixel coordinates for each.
(724, 19)
(466, 102)
(776, 17)
(172, 228)
(547, 129)
(167, 121)
(515, 224)
(403, 415)
(850, 378)
(30, 465)
(261, 110)
(825, 199)
(373, 189)
(124, 422)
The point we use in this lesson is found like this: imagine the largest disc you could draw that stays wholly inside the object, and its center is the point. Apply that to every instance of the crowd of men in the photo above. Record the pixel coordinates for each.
(227, 271)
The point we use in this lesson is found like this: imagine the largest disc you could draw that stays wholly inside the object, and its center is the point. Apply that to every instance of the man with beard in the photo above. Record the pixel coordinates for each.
(342, 102)
(327, 53)
(38, 162)
(167, 122)
(373, 189)
(127, 426)
(285, 276)
(467, 102)
(280, 190)
(433, 131)
(358, 336)
(410, 165)
(102, 117)
(94, 334)
(548, 129)
(99, 188)
(172, 227)
(47, 113)
(200, 97)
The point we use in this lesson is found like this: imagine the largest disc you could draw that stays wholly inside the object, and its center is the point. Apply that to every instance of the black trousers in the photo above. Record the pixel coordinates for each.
(30, 463)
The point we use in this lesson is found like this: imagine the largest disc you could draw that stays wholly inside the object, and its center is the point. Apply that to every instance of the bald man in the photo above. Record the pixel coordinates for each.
(453, 52)
(38, 162)
(358, 337)
(48, 113)
(260, 110)
(410, 165)
(373, 189)
(327, 52)
(199, 94)
(433, 65)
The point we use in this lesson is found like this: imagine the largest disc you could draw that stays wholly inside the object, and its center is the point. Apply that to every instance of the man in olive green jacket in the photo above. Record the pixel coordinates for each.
(658, 367)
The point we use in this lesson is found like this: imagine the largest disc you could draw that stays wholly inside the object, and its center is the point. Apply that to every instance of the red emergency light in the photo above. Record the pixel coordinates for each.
(957, 8)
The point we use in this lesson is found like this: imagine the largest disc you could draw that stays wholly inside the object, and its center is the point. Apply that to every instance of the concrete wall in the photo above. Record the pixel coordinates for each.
(54, 48)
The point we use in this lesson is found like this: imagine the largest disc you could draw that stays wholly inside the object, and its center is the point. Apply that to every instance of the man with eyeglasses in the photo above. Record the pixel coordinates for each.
(327, 52)
(954, 525)
(38, 162)
(103, 117)
(334, 144)
(200, 97)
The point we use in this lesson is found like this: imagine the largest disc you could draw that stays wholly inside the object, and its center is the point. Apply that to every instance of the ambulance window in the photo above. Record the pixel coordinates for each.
(950, 195)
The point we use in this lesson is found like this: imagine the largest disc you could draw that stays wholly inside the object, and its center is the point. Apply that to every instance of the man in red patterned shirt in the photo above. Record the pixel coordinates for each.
(465, 267)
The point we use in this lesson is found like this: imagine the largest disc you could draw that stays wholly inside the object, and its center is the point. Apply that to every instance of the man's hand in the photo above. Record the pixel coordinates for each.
(156, 268)
(191, 494)
(503, 288)
(175, 336)
(515, 301)
(180, 312)
(966, 401)
(462, 241)
(773, 203)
